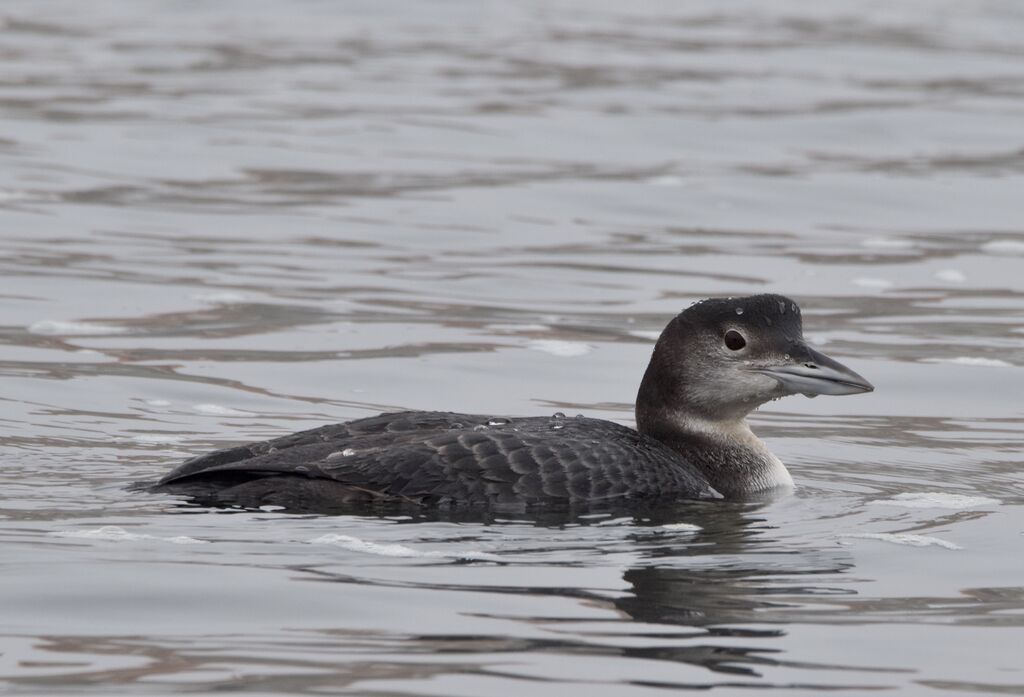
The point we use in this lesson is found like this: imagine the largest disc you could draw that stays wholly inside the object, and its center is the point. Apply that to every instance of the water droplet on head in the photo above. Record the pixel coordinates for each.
(558, 415)
(498, 421)
(739, 310)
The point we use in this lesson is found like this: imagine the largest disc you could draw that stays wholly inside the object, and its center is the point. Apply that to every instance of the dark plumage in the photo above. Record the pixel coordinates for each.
(442, 457)
(692, 440)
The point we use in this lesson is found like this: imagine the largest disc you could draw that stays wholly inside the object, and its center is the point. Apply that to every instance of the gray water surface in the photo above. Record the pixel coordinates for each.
(223, 222)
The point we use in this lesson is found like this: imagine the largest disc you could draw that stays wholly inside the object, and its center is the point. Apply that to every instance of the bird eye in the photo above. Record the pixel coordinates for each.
(734, 341)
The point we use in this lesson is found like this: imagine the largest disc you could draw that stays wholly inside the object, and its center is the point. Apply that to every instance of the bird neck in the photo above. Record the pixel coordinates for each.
(735, 461)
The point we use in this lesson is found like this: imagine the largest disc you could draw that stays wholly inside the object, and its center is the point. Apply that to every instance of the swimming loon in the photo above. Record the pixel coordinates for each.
(713, 364)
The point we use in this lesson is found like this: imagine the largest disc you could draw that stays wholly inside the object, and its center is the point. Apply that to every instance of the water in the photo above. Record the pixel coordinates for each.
(229, 221)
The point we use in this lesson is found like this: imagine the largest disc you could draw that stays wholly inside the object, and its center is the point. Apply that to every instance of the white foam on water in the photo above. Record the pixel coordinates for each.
(971, 360)
(901, 538)
(354, 544)
(183, 540)
(565, 349)
(872, 283)
(681, 527)
(625, 520)
(951, 276)
(113, 533)
(1003, 247)
(936, 499)
(52, 327)
(218, 410)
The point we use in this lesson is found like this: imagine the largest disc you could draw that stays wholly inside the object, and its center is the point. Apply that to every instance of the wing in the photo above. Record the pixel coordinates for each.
(446, 457)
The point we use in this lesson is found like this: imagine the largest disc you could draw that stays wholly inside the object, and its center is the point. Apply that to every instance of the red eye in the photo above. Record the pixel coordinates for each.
(734, 341)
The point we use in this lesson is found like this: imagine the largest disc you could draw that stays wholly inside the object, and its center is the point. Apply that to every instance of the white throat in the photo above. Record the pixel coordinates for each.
(762, 470)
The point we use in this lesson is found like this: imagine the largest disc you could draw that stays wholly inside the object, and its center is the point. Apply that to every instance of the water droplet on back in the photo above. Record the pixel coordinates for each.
(558, 415)
(480, 427)
(347, 452)
(498, 421)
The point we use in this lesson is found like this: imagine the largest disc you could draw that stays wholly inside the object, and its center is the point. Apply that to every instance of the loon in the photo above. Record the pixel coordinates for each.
(714, 363)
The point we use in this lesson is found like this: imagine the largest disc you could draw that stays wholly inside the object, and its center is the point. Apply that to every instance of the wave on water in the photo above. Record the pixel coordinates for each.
(113, 533)
(565, 349)
(1003, 247)
(951, 275)
(907, 539)
(935, 499)
(50, 327)
(223, 298)
(680, 527)
(971, 360)
(354, 544)
(218, 410)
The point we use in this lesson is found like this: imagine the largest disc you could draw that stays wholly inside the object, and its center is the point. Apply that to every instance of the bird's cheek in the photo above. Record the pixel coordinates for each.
(766, 387)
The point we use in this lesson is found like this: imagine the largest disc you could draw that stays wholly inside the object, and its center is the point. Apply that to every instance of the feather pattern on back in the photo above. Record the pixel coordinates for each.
(443, 457)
